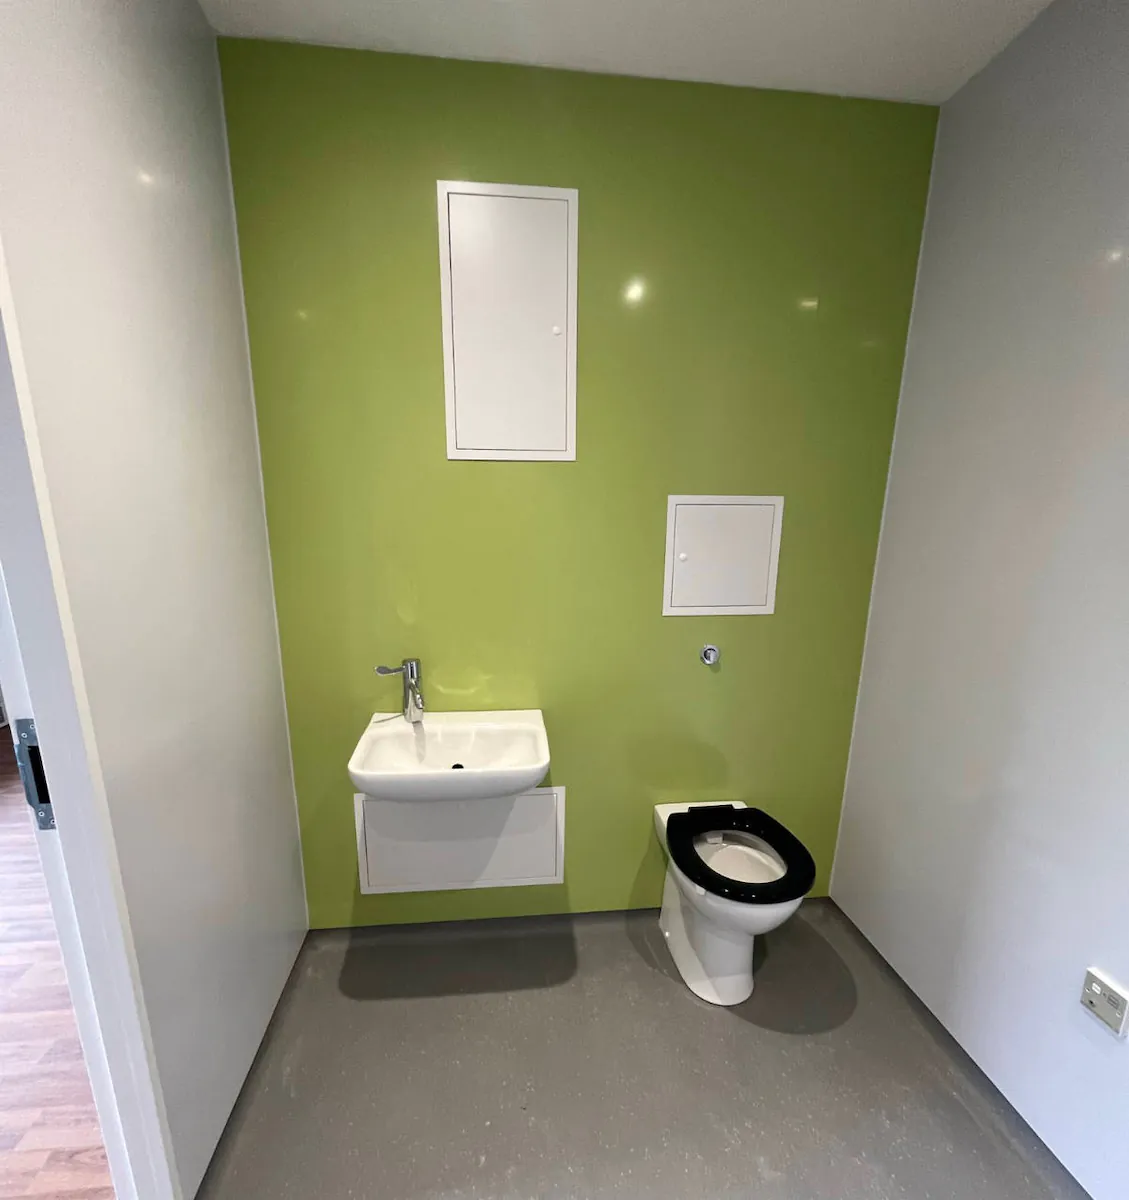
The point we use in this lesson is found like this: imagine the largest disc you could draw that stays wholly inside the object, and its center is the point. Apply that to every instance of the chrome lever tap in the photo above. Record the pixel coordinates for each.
(413, 688)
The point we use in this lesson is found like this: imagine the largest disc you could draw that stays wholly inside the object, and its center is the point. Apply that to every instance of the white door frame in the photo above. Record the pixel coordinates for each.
(79, 858)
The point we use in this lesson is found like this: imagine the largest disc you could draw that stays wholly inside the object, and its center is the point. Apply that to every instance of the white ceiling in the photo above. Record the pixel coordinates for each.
(895, 49)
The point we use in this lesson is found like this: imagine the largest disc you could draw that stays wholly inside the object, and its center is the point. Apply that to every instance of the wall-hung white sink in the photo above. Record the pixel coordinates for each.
(451, 756)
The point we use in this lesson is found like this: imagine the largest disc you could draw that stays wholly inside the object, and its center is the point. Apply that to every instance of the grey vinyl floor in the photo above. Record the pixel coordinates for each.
(563, 1057)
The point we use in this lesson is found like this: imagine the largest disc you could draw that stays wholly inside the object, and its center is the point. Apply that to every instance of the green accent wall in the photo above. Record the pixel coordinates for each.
(539, 585)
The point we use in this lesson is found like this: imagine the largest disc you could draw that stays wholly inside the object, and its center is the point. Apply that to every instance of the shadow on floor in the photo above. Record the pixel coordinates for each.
(458, 958)
(802, 986)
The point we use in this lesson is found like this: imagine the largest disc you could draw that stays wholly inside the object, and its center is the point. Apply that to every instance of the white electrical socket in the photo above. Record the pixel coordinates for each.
(1108, 1001)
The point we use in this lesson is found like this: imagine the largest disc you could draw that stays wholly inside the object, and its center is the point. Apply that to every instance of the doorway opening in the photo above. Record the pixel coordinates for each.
(51, 1144)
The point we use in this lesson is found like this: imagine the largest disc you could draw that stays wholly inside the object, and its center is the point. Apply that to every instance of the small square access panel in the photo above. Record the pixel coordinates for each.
(721, 555)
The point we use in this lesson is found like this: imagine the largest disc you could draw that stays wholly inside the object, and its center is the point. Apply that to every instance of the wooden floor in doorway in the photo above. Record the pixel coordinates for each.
(50, 1144)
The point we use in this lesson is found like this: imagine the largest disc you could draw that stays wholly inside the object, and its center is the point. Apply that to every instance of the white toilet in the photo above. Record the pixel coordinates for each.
(732, 872)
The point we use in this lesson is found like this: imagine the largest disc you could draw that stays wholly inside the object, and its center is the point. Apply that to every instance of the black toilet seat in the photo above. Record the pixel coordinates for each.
(682, 828)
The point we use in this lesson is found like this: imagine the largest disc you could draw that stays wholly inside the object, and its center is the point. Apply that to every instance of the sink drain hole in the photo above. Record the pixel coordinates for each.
(457, 767)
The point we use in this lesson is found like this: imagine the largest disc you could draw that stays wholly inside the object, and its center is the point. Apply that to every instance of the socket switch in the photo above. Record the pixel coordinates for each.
(1107, 1001)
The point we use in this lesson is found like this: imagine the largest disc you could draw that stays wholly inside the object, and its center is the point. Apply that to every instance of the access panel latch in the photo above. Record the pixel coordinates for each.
(31, 773)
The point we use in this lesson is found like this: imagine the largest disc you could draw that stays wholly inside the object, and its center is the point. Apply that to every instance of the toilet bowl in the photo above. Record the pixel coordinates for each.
(732, 872)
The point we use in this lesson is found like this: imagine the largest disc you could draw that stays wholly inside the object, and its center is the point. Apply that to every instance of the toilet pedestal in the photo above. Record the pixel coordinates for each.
(717, 964)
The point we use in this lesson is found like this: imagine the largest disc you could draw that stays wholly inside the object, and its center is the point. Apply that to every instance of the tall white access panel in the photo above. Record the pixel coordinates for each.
(508, 282)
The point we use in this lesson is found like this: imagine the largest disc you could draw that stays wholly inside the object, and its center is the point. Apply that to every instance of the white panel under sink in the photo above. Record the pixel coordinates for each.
(508, 289)
(721, 554)
(508, 841)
